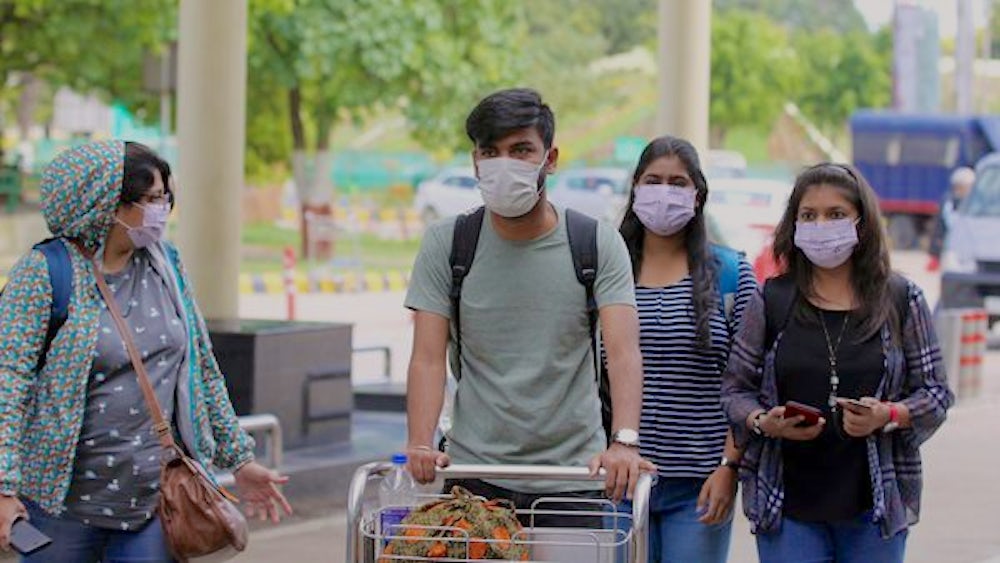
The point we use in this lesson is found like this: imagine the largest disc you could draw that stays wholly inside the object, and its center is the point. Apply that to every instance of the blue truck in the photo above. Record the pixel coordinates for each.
(908, 158)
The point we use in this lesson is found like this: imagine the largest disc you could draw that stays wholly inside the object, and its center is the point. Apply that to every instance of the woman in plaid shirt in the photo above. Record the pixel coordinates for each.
(839, 332)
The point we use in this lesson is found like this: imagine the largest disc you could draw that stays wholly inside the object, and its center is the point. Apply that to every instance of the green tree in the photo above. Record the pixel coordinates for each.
(753, 71)
(56, 42)
(809, 15)
(332, 59)
(842, 73)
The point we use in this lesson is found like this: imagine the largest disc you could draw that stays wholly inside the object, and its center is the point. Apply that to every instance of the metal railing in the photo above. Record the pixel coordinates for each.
(365, 473)
(386, 358)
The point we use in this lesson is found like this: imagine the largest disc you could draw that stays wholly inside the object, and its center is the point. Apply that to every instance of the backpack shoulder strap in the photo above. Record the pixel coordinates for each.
(899, 287)
(581, 230)
(729, 276)
(780, 294)
(465, 239)
(61, 280)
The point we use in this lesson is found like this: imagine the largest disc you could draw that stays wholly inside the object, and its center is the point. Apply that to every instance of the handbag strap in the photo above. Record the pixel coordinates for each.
(160, 425)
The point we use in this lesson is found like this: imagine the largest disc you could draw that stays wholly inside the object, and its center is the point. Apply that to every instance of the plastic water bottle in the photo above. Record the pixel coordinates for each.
(397, 494)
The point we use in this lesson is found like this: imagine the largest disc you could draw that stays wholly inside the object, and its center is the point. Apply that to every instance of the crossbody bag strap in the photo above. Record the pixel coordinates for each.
(160, 425)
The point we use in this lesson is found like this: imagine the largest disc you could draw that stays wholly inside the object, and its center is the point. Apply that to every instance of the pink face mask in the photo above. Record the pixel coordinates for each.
(664, 209)
(828, 244)
(154, 224)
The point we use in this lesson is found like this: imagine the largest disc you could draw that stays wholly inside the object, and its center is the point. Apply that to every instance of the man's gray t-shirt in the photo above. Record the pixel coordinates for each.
(528, 393)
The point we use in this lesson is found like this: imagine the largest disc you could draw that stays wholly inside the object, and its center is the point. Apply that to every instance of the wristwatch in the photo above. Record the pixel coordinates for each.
(729, 464)
(893, 418)
(626, 437)
(756, 423)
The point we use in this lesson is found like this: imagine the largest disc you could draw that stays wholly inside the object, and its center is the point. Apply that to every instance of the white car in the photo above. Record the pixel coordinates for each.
(599, 192)
(745, 212)
(451, 192)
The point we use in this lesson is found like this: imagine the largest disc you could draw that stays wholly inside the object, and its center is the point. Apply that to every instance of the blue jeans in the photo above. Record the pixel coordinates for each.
(75, 542)
(850, 541)
(675, 534)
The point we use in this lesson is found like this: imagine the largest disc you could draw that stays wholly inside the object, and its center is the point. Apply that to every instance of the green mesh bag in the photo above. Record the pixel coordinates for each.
(490, 525)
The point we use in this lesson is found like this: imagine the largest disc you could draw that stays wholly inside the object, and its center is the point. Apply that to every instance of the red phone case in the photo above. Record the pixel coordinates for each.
(811, 414)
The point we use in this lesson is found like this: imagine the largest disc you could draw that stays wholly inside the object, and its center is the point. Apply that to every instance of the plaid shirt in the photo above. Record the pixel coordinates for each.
(913, 375)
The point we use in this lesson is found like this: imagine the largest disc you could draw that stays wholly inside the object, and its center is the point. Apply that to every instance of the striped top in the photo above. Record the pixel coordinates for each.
(683, 427)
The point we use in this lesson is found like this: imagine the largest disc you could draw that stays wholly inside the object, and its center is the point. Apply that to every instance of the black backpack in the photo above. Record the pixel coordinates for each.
(781, 295)
(581, 230)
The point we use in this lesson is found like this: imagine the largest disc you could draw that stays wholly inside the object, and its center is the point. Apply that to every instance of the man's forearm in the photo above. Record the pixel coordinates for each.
(424, 399)
(625, 375)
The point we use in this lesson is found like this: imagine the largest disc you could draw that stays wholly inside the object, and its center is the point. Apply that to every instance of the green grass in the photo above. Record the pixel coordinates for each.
(263, 244)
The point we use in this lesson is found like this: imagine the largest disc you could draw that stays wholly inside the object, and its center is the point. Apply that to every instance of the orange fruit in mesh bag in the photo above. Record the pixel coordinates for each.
(463, 526)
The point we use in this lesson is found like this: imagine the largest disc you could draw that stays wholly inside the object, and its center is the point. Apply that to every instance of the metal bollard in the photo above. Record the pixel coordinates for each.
(972, 350)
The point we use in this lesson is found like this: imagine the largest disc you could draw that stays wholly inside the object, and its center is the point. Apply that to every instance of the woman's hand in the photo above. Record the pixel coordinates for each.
(258, 486)
(860, 422)
(716, 499)
(775, 425)
(10, 509)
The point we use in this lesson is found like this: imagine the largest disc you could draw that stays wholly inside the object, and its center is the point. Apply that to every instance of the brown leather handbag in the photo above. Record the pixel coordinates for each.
(198, 516)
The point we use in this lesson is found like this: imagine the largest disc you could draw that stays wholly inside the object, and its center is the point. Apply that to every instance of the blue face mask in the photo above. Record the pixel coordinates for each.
(154, 224)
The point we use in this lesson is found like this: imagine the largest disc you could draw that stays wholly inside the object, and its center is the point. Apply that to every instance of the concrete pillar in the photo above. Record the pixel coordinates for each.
(211, 129)
(685, 38)
(965, 56)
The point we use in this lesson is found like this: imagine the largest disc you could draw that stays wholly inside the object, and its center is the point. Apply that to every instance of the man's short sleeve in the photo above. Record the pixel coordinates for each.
(614, 284)
(430, 280)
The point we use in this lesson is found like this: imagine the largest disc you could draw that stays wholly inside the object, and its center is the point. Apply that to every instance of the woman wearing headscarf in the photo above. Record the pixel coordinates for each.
(77, 450)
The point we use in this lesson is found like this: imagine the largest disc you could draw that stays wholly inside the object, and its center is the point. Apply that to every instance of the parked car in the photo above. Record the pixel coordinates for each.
(725, 164)
(971, 259)
(450, 192)
(599, 192)
(743, 214)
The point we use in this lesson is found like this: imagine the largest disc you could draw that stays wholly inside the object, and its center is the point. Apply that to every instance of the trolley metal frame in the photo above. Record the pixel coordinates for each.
(627, 544)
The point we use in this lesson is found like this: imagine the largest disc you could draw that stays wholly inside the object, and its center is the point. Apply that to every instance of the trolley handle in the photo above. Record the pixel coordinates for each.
(640, 500)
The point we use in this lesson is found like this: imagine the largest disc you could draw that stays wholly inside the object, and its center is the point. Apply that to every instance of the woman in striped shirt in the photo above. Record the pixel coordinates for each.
(690, 295)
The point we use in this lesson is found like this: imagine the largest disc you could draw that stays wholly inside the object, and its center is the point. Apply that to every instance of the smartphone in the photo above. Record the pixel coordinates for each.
(25, 538)
(855, 405)
(811, 414)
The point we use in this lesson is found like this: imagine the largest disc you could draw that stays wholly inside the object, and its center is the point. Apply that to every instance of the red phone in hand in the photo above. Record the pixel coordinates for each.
(811, 414)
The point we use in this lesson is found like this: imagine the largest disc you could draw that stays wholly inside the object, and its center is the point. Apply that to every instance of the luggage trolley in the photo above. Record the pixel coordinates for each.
(621, 538)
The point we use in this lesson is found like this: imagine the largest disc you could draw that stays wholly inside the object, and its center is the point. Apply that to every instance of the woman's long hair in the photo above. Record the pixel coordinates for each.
(701, 263)
(870, 262)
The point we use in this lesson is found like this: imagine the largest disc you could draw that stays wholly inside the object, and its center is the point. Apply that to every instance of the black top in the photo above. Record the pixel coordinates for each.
(826, 479)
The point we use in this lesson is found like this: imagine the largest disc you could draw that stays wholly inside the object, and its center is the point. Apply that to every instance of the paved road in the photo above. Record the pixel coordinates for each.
(960, 523)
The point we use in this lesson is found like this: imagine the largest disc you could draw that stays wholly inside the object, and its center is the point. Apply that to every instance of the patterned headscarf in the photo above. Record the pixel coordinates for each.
(81, 190)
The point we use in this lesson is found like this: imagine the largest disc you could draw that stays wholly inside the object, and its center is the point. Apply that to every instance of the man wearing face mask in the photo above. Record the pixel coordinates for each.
(527, 393)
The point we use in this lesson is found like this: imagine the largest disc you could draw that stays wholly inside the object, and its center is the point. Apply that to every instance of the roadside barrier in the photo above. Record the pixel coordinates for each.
(962, 334)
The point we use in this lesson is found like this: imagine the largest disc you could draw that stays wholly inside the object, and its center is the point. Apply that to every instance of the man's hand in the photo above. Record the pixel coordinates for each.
(716, 499)
(424, 461)
(622, 465)
(775, 425)
(860, 422)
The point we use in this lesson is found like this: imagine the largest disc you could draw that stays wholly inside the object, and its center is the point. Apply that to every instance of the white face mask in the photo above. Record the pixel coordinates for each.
(509, 185)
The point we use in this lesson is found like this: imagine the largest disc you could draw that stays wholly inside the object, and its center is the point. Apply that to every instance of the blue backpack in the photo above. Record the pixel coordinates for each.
(61, 280)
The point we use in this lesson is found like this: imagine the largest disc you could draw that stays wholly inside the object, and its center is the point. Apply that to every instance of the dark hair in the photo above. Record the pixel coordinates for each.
(506, 111)
(701, 263)
(870, 260)
(140, 164)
